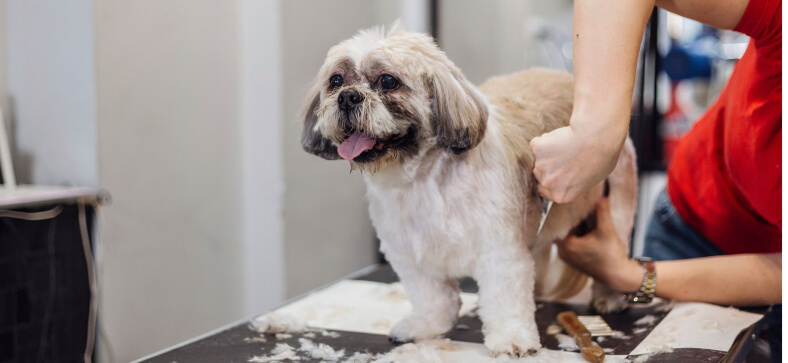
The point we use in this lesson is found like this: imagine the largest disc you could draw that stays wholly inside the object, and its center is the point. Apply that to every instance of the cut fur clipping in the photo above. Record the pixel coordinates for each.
(276, 323)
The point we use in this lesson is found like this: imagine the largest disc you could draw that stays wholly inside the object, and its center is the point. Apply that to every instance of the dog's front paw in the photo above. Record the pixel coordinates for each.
(515, 343)
(413, 328)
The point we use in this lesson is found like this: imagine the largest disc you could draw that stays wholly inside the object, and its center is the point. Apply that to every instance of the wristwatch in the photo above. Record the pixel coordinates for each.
(648, 287)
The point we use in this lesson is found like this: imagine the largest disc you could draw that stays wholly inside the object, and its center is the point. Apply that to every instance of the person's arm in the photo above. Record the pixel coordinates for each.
(721, 14)
(741, 280)
(606, 41)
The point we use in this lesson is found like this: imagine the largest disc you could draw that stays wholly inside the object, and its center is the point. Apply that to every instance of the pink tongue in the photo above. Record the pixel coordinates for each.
(355, 145)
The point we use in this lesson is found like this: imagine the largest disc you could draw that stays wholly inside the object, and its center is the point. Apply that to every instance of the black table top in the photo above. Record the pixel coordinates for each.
(240, 343)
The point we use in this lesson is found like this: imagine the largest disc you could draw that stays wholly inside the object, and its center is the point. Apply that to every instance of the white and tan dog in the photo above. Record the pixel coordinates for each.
(449, 179)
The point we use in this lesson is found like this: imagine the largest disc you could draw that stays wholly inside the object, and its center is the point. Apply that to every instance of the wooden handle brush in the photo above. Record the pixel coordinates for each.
(572, 325)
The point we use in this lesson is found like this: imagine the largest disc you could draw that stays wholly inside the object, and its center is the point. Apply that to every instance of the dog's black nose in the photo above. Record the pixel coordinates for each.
(349, 99)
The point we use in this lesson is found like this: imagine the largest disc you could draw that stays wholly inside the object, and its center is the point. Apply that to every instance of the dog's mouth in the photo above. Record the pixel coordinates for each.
(362, 147)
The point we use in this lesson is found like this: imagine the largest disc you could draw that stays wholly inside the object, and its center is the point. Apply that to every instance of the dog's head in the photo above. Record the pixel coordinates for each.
(382, 98)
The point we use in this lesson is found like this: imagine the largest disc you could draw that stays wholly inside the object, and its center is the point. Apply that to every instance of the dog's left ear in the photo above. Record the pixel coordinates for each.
(312, 140)
(459, 111)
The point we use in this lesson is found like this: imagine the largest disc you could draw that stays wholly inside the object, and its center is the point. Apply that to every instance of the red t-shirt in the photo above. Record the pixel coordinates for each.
(726, 177)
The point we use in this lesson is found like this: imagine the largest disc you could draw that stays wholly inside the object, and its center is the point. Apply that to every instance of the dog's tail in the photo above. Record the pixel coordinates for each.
(569, 283)
(569, 280)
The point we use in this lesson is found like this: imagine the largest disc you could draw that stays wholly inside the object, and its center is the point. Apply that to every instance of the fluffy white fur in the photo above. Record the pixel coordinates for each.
(458, 199)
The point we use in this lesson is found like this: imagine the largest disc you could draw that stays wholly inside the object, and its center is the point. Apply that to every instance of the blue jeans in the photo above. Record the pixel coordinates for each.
(668, 237)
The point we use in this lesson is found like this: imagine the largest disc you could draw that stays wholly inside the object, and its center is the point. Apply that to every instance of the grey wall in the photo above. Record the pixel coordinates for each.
(262, 175)
(495, 37)
(169, 152)
(327, 229)
(51, 93)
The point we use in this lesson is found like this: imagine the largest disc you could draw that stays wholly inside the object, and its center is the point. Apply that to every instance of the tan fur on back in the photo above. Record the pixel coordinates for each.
(530, 103)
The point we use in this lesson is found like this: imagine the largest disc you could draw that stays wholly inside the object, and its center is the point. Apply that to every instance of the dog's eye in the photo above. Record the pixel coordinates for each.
(388, 82)
(336, 81)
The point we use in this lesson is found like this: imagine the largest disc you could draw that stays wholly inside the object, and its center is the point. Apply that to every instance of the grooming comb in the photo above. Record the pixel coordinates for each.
(591, 351)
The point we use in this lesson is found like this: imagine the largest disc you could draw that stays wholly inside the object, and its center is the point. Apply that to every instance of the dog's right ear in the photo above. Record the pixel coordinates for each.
(312, 140)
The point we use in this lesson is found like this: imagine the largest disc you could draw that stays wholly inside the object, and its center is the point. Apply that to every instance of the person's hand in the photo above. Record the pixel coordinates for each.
(602, 255)
(569, 163)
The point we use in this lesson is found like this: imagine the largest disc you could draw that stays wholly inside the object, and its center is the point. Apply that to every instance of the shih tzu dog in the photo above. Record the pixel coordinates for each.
(449, 179)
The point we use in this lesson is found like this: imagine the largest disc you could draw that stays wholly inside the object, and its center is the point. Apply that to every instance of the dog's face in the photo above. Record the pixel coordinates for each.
(382, 98)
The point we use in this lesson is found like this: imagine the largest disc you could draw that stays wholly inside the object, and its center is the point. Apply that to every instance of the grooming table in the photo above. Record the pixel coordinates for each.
(356, 313)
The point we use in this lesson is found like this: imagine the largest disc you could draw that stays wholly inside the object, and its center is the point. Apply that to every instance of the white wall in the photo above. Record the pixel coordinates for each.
(169, 136)
(50, 72)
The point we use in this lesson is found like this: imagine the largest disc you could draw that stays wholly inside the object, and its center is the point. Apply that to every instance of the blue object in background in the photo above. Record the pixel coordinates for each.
(692, 60)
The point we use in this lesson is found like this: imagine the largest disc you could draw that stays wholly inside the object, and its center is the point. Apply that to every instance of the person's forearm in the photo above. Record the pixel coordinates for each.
(607, 37)
(722, 14)
(741, 280)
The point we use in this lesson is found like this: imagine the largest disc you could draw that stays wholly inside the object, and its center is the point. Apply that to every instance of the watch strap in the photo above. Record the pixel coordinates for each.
(648, 287)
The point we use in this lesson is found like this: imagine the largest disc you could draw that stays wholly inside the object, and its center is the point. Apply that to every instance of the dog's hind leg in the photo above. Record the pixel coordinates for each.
(623, 202)
(436, 303)
(506, 301)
